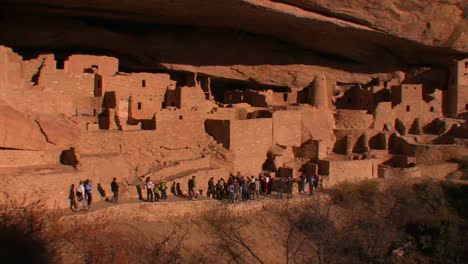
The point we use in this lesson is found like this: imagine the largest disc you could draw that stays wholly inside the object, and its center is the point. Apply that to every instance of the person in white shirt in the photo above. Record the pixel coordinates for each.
(149, 190)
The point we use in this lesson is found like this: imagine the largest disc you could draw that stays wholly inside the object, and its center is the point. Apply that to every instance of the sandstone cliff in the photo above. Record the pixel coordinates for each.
(275, 42)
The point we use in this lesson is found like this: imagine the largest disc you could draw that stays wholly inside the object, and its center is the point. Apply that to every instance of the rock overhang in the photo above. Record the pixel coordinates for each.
(274, 42)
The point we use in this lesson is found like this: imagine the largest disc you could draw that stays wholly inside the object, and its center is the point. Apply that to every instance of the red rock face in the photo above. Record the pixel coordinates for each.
(19, 132)
(58, 130)
(169, 89)
(274, 42)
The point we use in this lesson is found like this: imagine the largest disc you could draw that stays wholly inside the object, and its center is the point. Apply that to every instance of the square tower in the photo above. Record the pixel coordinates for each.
(457, 94)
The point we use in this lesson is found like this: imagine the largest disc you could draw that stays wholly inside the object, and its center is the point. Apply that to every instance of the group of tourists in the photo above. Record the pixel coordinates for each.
(239, 188)
(235, 189)
(81, 195)
(155, 191)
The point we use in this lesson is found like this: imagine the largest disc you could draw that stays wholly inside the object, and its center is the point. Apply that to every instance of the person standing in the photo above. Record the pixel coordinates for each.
(220, 189)
(72, 197)
(80, 195)
(88, 191)
(156, 191)
(303, 184)
(231, 190)
(149, 190)
(115, 190)
(311, 184)
(257, 189)
(237, 191)
(270, 184)
(245, 191)
(211, 188)
(163, 188)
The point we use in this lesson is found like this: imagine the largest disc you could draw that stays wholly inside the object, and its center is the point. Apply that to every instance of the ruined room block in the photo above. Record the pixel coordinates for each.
(219, 130)
(78, 63)
(380, 141)
(406, 94)
(109, 100)
(250, 140)
(351, 170)
(104, 119)
(233, 97)
(287, 128)
(416, 128)
(191, 97)
(148, 124)
(362, 144)
(356, 119)
(310, 169)
(256, 98)
(308, 150)
(144, 107)
(348, 145)
(400, 127)
(285, 172)
(11, 74)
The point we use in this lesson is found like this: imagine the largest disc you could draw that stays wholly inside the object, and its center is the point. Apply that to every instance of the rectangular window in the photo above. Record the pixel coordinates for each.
(139, 106)
(408, 108)
(143, 83)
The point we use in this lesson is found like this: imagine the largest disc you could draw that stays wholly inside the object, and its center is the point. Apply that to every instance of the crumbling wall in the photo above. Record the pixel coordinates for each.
(250, 141)
(79, 88)
(354, 119)
(11, 71)
(353, 140)
(191, 97)
(311, 117)
(287, 128)
(219, 130)
(351, 171)
(79, 63)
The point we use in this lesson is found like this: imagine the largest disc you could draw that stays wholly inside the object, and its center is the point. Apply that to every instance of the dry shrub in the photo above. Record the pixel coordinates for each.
(31, 234)
(351, 193)
(22, 233)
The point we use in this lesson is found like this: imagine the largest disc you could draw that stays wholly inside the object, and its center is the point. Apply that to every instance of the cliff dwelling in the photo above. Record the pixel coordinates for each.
(140, 93)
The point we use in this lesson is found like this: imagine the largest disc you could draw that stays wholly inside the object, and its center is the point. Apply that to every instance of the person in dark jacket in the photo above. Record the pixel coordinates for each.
(115, 190)
(211, 188)
(72, 197)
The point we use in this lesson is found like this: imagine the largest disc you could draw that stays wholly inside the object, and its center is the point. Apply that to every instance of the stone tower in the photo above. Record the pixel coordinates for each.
(319, 93)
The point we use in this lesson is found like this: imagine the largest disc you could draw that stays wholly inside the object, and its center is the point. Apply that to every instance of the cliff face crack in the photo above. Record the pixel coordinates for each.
(43, 132)
(237, 70)
(6, 136)
(37, 75)
(327, 13)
